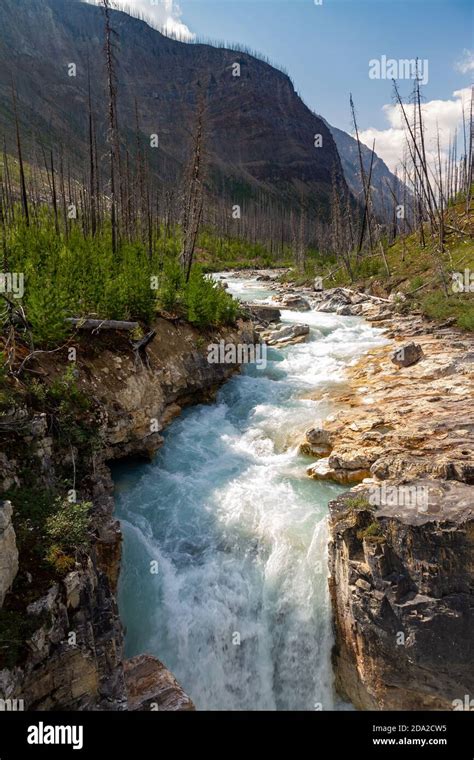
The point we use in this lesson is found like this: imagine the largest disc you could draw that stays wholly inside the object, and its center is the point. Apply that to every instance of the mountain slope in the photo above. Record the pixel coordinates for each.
(383, 180)
(260, 135)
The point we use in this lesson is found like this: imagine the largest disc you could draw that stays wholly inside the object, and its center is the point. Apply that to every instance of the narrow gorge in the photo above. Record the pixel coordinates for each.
(233, 573)
(239, 604)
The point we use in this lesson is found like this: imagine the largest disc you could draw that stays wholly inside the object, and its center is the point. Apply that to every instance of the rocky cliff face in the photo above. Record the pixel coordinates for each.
(8, 550)
(73, 655)
(401, 587)
(260, 137)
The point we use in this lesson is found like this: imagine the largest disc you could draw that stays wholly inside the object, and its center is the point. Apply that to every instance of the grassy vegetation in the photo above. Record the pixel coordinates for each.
(73, 276)
(358, 503)
(217, 253)
(51, 531)
(420, 273)
(373, 533)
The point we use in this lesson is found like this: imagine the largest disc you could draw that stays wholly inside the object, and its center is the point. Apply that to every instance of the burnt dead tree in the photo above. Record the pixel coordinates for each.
(366, 221)
(112, 137)
(193, 194)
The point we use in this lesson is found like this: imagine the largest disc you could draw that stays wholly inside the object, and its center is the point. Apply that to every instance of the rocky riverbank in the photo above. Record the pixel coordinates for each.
(71, 657)
(401, 557)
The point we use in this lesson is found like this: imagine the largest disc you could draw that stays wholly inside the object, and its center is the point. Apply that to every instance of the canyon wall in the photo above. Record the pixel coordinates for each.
(71, 657)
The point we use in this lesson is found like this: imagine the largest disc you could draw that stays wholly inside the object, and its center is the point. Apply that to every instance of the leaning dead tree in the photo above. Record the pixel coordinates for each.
(366, 221)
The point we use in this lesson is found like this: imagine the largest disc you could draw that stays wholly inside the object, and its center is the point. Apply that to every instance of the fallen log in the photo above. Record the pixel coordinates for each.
(366, 295)
(102, 324)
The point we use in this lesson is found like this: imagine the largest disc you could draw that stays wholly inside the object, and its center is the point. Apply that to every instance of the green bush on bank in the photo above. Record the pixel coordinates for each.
(51, 531)
(202, 300)
(437, 305)
(67, 527)
(74, 276)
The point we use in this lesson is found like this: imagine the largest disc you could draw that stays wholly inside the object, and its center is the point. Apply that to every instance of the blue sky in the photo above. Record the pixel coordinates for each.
(326, 48)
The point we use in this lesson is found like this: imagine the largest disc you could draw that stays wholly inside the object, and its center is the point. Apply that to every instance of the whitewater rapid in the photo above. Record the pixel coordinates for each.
(224, 574)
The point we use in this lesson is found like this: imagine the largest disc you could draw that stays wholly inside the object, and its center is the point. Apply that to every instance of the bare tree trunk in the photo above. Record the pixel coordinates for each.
(112, 118)
(366, 189)
(24, 197)
(194, 197)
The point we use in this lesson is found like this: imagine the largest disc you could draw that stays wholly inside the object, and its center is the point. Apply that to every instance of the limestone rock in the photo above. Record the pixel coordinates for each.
(295, 303)
(287, 334)
(322, 470)
(317, 443)
(8, 550)
(349, 458)
(401, 579)
(330, 300)
(150, 686)
(264, 312)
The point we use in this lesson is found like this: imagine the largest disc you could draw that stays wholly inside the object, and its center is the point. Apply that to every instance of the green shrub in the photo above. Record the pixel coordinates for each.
(32, 504)
(207, 303)
(373, 533)
(460, 307)
(436, 306)
(358, 503)
(47, 310)
(172, 286)
(466, 319)
(369, 267)
(68, 527)
(416, 282)
(64, 389)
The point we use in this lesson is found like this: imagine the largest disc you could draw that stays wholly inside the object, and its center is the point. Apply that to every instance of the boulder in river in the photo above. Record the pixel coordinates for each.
(317, 443)
(264, 312)
(334, 299)
(296, 303)
(287, 334)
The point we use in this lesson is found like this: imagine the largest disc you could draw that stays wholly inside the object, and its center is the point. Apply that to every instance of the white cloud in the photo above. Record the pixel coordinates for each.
(466, 63)
(445, 115)
(164, 15)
